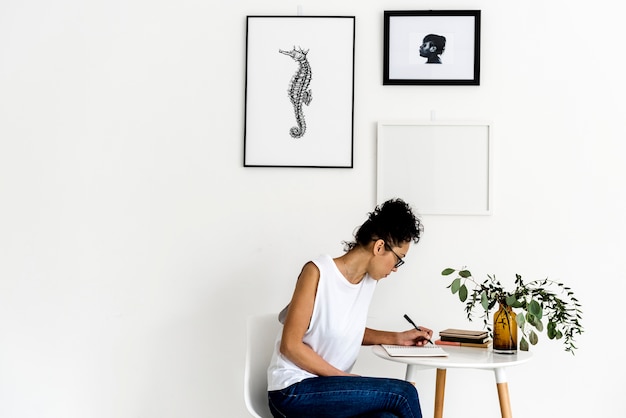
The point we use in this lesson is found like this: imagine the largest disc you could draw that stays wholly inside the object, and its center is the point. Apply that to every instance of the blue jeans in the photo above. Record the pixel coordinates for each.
(346, 396)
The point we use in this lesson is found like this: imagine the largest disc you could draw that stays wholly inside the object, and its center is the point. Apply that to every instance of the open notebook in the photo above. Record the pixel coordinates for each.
(414, 351)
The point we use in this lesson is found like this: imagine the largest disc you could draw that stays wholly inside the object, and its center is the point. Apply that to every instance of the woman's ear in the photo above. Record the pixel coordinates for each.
(379, 246)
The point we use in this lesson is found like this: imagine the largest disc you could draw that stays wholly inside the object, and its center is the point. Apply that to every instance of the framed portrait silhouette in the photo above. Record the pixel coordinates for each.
(431, 47)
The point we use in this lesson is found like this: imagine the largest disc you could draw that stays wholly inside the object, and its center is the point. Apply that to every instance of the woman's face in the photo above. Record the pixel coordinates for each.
(388, 258)
(427, 48)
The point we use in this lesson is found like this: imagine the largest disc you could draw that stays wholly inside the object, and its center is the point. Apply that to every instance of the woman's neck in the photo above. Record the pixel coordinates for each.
(353, 265)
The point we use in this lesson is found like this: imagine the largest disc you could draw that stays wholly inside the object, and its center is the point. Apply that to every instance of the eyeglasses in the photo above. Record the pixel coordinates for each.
(400, 261)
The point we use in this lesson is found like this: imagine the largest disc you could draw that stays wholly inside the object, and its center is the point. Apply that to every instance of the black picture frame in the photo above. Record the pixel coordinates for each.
(412, 56)
(299, 93)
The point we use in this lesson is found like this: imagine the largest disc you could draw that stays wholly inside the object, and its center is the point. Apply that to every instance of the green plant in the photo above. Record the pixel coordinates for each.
(537, 303)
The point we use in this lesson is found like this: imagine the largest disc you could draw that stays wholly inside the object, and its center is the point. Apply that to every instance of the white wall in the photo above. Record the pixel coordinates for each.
(133, 244)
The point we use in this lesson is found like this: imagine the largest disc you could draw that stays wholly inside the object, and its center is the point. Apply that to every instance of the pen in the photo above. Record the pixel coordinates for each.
(416, 327)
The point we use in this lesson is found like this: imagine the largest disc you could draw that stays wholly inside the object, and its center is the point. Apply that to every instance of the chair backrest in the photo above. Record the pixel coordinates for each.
(261, 335)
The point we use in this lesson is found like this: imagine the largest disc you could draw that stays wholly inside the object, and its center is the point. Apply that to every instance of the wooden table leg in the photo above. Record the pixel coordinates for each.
(440, 388)
(503, 393)
(505, 402)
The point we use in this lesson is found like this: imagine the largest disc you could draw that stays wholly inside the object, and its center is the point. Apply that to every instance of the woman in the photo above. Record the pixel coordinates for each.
(324, 327)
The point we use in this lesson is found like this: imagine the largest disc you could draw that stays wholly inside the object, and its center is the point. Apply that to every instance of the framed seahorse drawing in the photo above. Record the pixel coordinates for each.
(299, 92)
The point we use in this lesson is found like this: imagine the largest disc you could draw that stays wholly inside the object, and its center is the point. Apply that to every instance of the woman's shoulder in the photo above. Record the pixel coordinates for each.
(310, 267)
(323, 260)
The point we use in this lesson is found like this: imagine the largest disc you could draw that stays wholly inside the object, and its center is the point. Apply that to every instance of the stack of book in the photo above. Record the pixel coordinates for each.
(464, 338)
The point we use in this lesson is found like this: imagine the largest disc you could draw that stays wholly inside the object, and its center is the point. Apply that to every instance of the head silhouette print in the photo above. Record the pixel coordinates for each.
(432, 47)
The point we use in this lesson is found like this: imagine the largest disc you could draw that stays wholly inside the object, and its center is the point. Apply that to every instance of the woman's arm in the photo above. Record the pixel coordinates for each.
(410, 337)
(297, 322)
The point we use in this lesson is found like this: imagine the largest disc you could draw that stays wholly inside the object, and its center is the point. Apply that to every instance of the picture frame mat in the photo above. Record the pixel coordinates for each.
(405, 61)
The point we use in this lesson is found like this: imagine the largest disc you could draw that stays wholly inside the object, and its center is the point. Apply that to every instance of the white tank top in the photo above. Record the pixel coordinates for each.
(337, 325)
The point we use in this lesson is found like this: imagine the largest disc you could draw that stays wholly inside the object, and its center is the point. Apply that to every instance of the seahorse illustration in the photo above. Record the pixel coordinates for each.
(298, 89)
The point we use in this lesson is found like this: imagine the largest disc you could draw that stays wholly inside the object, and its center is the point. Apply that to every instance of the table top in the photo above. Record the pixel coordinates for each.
(461, 357)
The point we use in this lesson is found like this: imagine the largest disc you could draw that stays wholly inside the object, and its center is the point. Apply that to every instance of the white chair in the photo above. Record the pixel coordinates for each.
(261, 335)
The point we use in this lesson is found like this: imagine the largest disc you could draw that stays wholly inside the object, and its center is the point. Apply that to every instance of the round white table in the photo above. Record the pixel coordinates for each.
(462, 358)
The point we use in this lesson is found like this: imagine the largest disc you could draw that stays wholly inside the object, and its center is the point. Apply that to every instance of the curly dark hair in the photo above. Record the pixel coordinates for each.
(393, 222)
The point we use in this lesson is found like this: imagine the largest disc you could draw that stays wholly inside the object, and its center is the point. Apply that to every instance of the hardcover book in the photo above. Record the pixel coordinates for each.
(463, 333)
(460, 344)
(465, 340)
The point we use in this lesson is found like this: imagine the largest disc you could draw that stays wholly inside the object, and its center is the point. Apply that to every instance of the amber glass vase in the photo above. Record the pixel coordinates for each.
(504, 331)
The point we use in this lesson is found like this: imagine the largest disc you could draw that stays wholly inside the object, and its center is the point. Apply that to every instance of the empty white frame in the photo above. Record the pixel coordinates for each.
(441, 168)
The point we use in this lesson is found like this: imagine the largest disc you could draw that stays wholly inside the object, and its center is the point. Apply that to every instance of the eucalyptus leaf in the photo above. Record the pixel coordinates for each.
(465, 274)
(447, 272)
(463, 293)
(523, 344)
(535, 308)
(511, 300)
(484, 301)
(456, 285)
(552, 330)
(533, 337)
